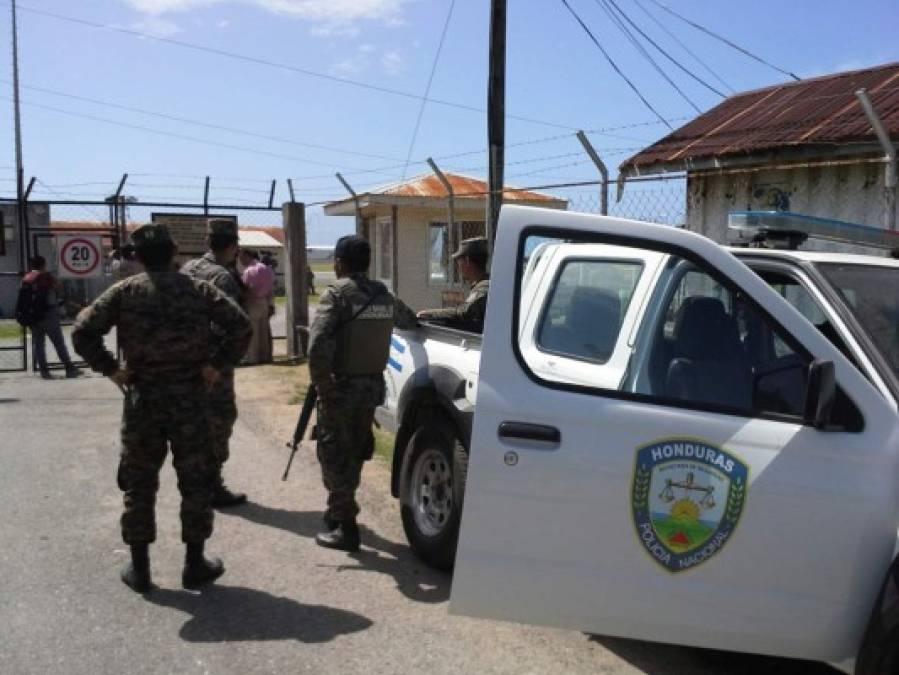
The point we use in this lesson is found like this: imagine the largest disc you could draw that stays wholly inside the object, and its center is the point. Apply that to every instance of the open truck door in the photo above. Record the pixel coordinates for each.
(737, 489)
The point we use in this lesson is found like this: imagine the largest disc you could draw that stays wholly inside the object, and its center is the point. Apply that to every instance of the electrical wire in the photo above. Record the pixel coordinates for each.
(184, 137)
(662, 51)
(643, 51)
(424, 100)
(208, 125)
(281, 66)
(684, 47)
(615, 65)
(723, 39)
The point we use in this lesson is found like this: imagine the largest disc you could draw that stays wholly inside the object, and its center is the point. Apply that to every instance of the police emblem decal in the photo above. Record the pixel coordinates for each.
(687, 497)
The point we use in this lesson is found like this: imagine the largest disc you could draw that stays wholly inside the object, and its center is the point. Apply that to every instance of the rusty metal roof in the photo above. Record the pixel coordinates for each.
(817, 114)
(428, 187)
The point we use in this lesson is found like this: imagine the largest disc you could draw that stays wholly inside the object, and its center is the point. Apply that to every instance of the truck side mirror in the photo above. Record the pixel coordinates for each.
(820, 393)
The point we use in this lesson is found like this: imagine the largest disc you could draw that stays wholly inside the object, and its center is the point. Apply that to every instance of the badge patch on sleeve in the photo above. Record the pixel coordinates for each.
(686, 497)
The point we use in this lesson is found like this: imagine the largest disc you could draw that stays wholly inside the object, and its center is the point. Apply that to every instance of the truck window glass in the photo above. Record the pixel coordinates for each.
(586, 308)
(870, 293)
(648, 323)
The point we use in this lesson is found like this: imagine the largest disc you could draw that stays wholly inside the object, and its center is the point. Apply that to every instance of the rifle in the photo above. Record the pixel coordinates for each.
(302, 424)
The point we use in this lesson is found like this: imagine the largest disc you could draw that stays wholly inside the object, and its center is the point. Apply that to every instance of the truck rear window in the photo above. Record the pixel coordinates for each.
(586, 308)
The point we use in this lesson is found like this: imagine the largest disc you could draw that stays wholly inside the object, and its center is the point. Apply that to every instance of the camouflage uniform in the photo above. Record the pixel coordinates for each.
(347, 403)
(163, 321)
(468, 315)
(222, 401)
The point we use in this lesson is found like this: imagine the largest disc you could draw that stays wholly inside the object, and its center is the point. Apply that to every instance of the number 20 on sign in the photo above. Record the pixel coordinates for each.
(79, 256)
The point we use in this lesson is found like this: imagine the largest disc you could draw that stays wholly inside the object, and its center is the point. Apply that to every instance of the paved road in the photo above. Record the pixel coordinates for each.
(284, 605)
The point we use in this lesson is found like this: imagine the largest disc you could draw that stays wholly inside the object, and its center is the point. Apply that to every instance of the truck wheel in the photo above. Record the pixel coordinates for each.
(435, 467)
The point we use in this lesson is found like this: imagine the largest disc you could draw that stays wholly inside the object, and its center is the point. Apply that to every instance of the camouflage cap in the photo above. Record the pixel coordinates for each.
(474, 248)
(151, 234)
(221, 226)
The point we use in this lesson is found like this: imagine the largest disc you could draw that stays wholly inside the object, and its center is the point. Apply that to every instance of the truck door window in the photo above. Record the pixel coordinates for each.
(586, 308)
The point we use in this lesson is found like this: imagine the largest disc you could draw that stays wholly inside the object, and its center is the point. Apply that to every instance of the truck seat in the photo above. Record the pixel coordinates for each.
(709, 364)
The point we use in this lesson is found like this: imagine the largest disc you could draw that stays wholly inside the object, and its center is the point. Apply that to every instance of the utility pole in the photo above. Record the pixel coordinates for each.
(20, 169)
(496, 116)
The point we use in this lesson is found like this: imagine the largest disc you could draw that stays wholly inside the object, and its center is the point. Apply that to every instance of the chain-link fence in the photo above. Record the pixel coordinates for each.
(663, 201)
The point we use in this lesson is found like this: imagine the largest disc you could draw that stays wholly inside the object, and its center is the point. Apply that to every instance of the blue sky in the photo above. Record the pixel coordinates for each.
(555, 75)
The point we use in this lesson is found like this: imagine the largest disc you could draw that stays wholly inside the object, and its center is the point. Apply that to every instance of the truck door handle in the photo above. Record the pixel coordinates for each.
(529, 432)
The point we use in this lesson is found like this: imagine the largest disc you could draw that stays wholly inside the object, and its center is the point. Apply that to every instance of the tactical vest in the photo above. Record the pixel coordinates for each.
(363, 336)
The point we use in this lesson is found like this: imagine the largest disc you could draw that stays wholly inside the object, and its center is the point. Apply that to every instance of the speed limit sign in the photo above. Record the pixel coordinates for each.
(79, 256)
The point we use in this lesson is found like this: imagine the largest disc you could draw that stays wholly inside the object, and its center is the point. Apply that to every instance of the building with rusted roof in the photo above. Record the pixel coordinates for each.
(809, 147)
(407, 224)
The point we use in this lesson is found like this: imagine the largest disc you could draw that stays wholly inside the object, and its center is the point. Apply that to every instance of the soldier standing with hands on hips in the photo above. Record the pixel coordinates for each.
(217, 266)
(172, 359)
(348, 348)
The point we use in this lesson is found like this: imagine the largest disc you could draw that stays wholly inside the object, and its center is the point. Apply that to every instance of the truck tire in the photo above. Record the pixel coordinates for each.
(435, 467)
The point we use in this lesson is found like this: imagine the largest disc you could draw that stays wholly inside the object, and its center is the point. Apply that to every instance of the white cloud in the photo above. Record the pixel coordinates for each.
(326, 11)
(335, 30)
(393, 62)
(364, 57)
(224, 23)
(156, 26)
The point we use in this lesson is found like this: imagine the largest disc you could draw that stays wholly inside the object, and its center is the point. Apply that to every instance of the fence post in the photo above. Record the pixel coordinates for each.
(603, 172)
(355, 202)
(206, 197)
(297, 310)
(889, 179)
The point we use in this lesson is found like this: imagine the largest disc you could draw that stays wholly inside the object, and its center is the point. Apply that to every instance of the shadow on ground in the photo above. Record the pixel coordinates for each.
(234, 614)
(413, 579)
(655, 658)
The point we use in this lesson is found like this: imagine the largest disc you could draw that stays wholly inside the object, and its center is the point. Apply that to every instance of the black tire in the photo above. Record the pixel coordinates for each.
(430, 507)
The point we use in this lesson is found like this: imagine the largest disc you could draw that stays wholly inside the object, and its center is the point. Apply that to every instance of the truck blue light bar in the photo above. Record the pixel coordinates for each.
(755, 225)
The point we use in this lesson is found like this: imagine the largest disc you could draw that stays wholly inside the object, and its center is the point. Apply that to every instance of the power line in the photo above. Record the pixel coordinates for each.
(684, 47)
(662, 50)
(421, 109)
(208, 125)
(723, 39)
(282, 66)
(615, 65)
(183, 137)
(640, 48)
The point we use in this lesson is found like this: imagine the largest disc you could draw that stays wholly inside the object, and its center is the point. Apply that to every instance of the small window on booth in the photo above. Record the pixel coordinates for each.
(438, 253)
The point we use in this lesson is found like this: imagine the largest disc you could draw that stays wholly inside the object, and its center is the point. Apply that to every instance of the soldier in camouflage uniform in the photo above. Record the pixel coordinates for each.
(171, 358)
(471, 260)
(348, 348)
(217, 267)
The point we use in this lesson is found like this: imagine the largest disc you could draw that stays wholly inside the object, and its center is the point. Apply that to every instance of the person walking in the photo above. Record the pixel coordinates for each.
(348, 348)
(172, 357)
(41, 291)
(217, 267)
(471, 261)
(259, 281)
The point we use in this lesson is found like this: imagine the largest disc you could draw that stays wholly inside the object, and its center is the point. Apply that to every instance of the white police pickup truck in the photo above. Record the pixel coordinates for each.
(673, 441)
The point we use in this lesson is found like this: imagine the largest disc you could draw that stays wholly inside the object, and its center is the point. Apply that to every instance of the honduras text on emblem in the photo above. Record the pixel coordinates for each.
(687, 497)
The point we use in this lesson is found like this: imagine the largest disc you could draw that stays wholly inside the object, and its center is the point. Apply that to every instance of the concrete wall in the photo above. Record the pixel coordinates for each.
(850, 192)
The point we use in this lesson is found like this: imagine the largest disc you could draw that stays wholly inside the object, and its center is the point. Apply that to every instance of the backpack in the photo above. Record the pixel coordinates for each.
(31, 305)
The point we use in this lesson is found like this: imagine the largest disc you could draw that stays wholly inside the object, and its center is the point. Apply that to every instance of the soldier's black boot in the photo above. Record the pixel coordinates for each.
(136, 574)
(198, 569)
(344, 537)
(222, 497)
